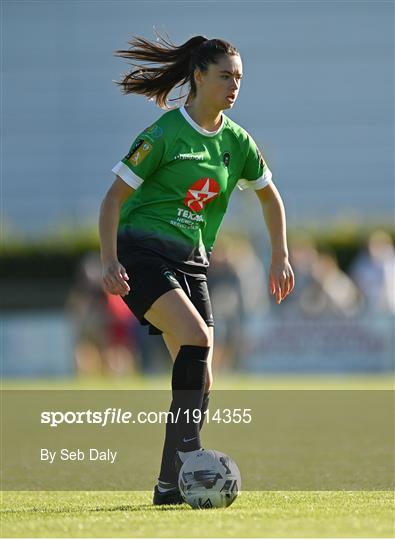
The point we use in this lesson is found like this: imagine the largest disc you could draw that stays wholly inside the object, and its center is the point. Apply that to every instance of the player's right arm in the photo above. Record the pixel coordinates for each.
(143, 159)
(115, 277)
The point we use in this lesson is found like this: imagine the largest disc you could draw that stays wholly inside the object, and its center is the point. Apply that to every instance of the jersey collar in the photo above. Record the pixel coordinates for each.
(199, 128)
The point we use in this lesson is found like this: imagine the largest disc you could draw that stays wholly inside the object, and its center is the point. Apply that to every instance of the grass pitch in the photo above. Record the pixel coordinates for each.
(253, 514)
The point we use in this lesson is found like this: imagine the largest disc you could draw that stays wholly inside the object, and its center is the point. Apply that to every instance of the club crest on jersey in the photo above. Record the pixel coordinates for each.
(139, 152)
(226, 158)
(200, 193)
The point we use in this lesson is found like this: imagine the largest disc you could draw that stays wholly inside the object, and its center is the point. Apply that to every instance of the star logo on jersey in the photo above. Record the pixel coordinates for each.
(200, 193)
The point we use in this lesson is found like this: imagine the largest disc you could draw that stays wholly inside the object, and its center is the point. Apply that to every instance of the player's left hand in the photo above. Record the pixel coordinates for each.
(281, 278)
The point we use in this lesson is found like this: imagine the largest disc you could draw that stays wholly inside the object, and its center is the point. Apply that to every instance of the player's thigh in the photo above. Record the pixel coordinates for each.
(174, 314)
(173, 346)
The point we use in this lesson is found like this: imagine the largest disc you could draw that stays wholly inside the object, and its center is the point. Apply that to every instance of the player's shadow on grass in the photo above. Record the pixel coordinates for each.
(119, 508)
(138, 507)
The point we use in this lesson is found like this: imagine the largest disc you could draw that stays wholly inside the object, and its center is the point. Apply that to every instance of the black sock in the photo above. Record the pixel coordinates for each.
(167, 471)
(188, 381)
(206, 397)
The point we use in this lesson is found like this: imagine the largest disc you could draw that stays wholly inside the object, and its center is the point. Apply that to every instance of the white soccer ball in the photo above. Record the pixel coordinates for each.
(210, 479)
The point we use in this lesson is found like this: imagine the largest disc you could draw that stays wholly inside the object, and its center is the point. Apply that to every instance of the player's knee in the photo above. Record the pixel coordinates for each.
(198, 335)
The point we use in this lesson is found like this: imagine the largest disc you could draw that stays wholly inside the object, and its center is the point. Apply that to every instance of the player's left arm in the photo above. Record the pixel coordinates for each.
(281, 277)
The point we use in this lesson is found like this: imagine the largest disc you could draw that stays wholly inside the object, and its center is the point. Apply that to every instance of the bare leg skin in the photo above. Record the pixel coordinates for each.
(177, 317)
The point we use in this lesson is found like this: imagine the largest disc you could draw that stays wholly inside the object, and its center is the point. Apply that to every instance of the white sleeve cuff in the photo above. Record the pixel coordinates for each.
(127, 175)
(260, 183)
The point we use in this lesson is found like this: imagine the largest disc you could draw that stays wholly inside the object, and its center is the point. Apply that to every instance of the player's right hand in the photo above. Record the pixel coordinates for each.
(115, 279)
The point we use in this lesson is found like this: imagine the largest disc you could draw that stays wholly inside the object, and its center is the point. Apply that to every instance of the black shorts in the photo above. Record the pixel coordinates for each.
(150, 276)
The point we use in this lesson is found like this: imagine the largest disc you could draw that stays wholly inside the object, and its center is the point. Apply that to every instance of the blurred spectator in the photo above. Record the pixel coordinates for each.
(253, 280)
(374, 273)
(121, 342)
(303, 256)
(332, 291)
(237, 289)
(227, 304)
(102, 324)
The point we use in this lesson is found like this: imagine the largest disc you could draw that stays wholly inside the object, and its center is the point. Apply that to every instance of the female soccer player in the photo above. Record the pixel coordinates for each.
(161, 215)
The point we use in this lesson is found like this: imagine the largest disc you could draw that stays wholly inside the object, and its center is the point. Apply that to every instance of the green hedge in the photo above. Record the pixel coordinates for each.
(57, 258)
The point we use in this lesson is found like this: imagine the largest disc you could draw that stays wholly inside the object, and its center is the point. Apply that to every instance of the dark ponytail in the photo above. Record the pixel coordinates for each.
(175, 65)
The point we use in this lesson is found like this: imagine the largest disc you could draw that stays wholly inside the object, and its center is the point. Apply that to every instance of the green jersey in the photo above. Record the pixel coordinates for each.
(184, 176)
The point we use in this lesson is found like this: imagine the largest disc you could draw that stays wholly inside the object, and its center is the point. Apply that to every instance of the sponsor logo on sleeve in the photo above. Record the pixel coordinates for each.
(135, 147)
(260, 158)
(139, 152)
(154, 131)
